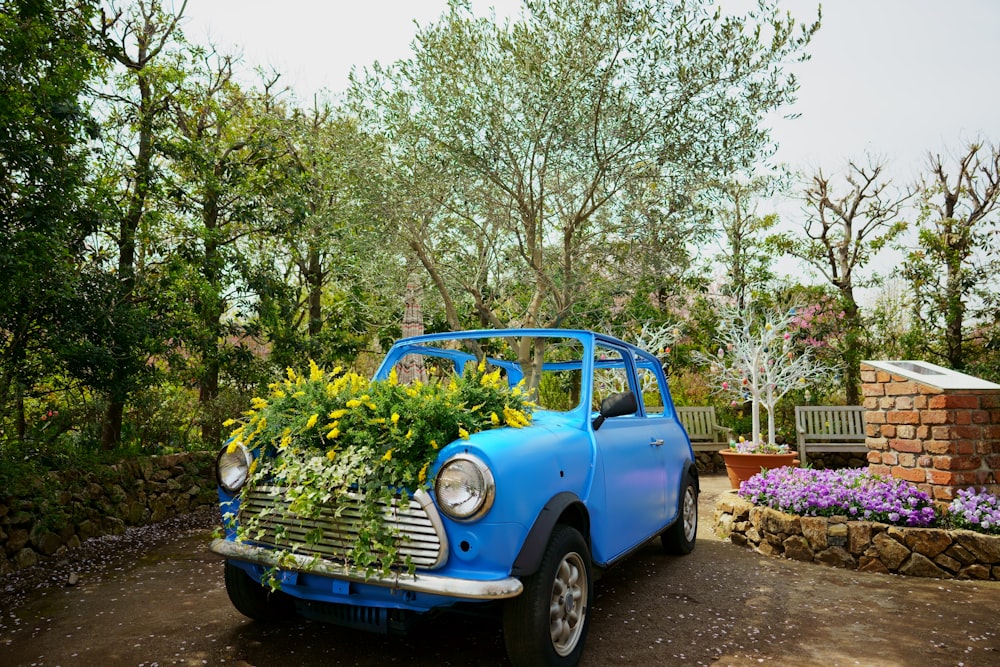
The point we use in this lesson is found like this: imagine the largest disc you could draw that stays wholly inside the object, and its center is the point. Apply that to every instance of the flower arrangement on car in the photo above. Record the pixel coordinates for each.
(322, 438)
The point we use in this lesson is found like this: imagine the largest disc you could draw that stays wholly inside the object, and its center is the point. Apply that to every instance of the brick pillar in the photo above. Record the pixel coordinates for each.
(941, 438)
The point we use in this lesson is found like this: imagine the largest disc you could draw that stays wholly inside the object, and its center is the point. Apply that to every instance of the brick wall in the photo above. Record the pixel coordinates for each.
(940, 439)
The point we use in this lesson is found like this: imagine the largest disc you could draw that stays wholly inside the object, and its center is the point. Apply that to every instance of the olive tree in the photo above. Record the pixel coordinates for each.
(953, 270)
(527, 151)
(849, 218)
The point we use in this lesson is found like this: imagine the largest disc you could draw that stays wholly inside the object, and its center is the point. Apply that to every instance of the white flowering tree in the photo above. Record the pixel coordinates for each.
(759, 360)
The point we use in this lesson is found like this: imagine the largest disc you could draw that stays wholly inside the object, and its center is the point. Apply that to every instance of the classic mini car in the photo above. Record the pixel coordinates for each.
(517, 520)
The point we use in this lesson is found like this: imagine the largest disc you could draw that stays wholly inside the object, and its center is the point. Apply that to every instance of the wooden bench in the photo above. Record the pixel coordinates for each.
(705, 433)
(829, 428)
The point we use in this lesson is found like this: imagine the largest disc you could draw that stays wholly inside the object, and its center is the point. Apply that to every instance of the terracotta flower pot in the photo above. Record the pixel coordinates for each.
(741, 466)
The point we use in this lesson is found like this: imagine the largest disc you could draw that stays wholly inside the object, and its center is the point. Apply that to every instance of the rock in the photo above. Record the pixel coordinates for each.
(773, 521)
(948, 563)
(985, 548)
(836, 534)
(25, 558)
(919, 565)
(73, 579)
(837, 557)
(859, 537)
(814, 530)
(928, 541)
(17, 539)
(891, 552)
(869, 564)
(86, 529)
(976, 571)
(797, 548)
(46, 542)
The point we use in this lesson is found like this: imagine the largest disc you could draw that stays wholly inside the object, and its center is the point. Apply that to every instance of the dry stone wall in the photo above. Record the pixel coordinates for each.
(859, 545)
(53, 515)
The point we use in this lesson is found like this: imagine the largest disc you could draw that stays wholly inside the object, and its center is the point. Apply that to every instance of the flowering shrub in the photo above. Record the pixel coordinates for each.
(744, 446)
(854, 493)
(975, 510)
(327, 436)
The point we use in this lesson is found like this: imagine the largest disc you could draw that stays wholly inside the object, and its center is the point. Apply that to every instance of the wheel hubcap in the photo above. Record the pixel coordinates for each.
(690, 515)
(568, 607)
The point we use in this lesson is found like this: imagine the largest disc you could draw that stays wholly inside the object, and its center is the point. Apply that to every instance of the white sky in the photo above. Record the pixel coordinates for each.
(896, 78)
(892, 78)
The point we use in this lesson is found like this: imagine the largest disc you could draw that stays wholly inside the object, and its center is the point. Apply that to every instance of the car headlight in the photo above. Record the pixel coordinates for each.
(233, 468)
(464, 487)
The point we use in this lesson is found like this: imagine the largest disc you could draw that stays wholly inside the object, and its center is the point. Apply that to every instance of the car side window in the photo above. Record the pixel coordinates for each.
(652, 393)
(610, 375)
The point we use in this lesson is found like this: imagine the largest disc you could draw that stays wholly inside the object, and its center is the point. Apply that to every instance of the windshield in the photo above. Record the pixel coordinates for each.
(548, 368)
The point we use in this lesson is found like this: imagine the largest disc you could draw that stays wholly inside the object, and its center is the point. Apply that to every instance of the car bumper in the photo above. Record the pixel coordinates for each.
(467, 589)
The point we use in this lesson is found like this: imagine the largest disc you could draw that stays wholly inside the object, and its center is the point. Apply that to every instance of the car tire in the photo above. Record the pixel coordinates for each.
(254, 600)
(546, 625)
(680, 537)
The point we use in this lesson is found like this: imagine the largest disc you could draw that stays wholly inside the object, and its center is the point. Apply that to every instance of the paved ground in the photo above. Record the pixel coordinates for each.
(155, 597)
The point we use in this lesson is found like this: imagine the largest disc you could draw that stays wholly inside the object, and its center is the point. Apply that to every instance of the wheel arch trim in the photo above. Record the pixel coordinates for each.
(562, 505)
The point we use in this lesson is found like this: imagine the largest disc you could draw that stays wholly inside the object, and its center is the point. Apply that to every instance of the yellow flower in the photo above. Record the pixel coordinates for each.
(353, 403)
(278, 393)
(463, 434)
(291, 374)
(515, 418)
(434, 444)
(228, 423)
(395, 418)
(393, 378)
(331, 453)
(258, 403)
(253, 466)
(334, 432)
(337, 414)
(482, 365)
(285, 441)
(494, 419)
(387, 456)
(409, 434)
(233, 444)
(298, 394)
(422, 477)
(315, 373)
(312, 421)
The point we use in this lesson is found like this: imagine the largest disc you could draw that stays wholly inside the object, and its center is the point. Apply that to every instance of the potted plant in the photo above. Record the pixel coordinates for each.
(744, 459)
(758, 361)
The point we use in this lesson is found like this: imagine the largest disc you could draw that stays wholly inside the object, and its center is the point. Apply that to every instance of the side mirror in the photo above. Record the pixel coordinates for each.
(616, 405)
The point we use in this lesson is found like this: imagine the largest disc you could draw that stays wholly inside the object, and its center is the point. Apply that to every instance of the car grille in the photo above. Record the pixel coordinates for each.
(422, 536)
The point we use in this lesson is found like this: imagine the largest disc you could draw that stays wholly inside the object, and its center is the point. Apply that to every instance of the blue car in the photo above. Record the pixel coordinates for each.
(521, 519)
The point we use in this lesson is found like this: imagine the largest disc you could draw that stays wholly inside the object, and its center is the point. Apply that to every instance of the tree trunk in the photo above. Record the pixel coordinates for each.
(111, 429)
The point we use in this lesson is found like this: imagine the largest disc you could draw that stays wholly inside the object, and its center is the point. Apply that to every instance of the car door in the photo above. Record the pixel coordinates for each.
(631, 506)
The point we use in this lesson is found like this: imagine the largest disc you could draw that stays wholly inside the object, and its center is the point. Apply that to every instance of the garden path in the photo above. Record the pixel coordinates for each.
(155, 596)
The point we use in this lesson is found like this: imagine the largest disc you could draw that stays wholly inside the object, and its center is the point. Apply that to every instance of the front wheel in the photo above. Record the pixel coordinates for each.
(254, 600)
(680, 537)
(547, 624)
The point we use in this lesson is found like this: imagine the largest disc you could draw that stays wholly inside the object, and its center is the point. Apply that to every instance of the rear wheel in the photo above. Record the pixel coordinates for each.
(680, 537)
(254, 600)
(547, 624)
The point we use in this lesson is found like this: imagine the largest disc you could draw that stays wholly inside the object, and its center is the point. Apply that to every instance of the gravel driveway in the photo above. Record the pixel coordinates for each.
(155, 597)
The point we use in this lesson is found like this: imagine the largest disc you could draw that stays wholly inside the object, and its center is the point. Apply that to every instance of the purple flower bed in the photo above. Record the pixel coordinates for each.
(975, 510)
(854, 493)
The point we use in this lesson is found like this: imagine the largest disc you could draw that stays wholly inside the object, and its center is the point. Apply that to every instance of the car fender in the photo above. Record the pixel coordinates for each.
(563, 504)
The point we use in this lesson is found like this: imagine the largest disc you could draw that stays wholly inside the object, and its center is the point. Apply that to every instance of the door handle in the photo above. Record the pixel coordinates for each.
(658, 442)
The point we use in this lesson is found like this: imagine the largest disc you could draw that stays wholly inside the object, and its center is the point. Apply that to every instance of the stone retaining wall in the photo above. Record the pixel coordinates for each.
(60, 512)
(859, 545)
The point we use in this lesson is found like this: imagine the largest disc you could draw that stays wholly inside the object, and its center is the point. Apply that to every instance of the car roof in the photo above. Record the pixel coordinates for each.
(579, 334)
